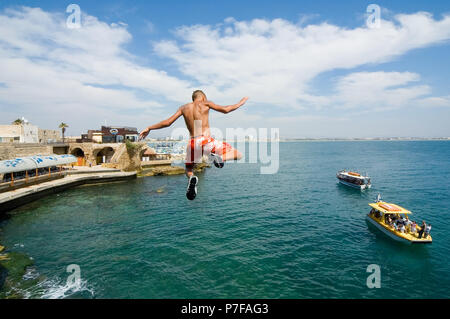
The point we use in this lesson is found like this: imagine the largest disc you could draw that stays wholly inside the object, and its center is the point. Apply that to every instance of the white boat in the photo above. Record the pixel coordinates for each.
(354, 179)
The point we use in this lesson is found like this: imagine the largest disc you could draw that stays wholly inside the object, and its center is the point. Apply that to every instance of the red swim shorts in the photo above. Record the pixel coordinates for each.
(200, 145)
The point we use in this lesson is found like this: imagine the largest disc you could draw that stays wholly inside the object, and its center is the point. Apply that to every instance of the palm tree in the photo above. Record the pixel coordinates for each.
(18, 122)
(63, 127)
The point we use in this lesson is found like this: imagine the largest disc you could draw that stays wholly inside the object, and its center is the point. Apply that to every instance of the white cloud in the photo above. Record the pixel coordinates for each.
(48, 67)
(378, 90)
(439, 101)
(274, 61)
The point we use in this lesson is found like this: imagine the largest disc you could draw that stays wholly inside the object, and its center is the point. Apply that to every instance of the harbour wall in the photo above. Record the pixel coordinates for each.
(19, 197)
(13, 150)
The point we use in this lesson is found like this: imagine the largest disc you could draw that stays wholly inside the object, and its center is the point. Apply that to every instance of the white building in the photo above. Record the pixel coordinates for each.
(25, 133)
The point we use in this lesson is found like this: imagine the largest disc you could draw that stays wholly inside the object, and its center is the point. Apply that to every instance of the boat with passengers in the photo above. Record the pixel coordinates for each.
(393, 221)
(354, 179)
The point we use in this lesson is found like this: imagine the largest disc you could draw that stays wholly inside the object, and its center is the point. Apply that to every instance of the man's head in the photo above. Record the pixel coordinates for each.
(198, 94)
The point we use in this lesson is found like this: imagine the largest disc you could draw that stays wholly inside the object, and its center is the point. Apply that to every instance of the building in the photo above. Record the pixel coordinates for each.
(10, 133)
(49, 136)
(116, 134)
(72, 139)
(28, 133)
(24, 133)
(97, 137)
(110, 134)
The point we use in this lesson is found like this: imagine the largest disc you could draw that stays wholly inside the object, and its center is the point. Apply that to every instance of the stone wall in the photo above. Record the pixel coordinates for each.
(119, 157)
(128, 158)
(14, 150)
(90, 150)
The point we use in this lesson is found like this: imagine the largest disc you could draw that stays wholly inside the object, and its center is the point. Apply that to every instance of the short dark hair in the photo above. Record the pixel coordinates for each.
(196, 93)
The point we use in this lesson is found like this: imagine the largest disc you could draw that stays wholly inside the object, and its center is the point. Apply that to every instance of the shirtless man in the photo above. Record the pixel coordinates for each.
(196, 117)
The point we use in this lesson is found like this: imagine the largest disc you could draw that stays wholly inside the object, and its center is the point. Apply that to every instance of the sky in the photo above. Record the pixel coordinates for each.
(310, 68)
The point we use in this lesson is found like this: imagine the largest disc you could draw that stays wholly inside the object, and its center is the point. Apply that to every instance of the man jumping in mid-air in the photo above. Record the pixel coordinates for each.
(196, 116)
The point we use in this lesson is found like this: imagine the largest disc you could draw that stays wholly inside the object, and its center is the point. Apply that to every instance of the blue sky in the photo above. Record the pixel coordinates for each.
(312, 69)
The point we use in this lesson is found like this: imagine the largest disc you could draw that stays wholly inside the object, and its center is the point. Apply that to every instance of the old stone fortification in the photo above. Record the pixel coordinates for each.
(13, 150)
(90, 150)
(128, 156)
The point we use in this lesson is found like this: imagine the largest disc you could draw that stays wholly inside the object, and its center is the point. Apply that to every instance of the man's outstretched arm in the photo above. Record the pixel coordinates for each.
(166, 123)
(226, 109)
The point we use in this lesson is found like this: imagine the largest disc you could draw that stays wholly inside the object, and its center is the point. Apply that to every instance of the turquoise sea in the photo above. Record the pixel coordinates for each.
(294, 234)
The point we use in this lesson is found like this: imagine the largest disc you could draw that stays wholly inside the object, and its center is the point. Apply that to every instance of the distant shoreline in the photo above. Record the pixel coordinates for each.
(330, 139)
(365, 139)
(387, 139)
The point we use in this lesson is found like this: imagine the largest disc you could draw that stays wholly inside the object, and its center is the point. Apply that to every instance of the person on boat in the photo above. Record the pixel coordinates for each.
(427, 231)
(196, 117)
(378, 196)
(402, 228)
(422, 229)
(377, 214)
(407, 221)
(389, 221)
(403, 220)
(413, 227)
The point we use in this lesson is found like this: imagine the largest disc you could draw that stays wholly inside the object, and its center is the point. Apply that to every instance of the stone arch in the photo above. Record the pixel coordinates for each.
(79, 153)
(104, 155)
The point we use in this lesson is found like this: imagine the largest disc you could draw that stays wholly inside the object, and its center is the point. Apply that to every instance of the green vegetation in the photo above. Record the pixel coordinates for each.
(133, 148)
(12, 270)
(18, 122)
(63, 127)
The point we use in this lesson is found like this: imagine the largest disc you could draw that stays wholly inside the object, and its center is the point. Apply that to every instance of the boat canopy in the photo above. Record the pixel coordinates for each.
(387, 208)
(33, 162)
(353, 175)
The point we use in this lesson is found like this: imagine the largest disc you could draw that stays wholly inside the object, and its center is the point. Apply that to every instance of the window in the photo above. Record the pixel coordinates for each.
(132, 138)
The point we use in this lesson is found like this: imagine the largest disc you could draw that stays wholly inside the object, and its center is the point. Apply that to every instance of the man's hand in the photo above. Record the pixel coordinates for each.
(226, 109)
(243, 100)
(144, 133)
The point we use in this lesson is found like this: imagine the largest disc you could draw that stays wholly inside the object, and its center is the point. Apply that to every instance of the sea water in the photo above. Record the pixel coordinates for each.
(293, 234)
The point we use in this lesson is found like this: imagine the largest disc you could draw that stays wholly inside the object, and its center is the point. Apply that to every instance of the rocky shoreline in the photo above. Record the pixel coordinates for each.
(167, 170)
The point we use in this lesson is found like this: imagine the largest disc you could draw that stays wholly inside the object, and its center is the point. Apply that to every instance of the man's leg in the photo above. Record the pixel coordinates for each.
(189, 171)
(191, 191)
(222, 152)
(232, 155)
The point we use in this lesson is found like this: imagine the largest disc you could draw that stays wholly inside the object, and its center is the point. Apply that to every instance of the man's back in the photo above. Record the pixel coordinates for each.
(196, 117)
